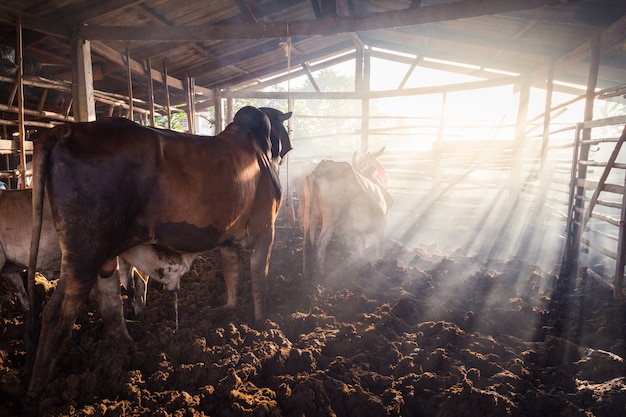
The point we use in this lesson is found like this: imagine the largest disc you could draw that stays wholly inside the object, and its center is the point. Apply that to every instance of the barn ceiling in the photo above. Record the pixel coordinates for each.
(232, 43)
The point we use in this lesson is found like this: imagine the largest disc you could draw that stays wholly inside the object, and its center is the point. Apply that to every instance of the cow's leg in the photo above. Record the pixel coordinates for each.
(259, 265)
(140, 296)
(125, 273)
(107, 297)
(231, 266)
(58, 317)
(312, 221)
(323, 239)
(16, 282)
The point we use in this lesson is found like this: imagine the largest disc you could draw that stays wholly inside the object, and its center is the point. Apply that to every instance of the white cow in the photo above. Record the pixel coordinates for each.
(343, 199)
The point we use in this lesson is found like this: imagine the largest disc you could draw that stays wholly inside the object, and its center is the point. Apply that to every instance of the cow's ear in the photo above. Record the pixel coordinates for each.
(379, 153)
(286, 116)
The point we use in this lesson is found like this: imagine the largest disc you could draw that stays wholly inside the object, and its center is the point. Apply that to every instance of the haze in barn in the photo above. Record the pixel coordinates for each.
(449, 239)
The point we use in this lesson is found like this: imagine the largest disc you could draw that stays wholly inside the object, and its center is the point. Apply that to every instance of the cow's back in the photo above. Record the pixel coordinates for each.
(346, 205)
(187, 192)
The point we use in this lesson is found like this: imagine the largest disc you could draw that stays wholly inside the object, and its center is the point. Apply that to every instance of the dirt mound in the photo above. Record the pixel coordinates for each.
(411, 333)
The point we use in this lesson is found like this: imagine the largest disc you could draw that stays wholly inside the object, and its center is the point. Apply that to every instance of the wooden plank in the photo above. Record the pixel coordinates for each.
(48, 27)
(608, 36)
(37, 113)
(129, 75)
(602, 186)
(599, 248)
(613, 188)
(605, 218)
(325, 26)
(82, 91)
(621, 242)
(437, 89)
(20, 100)
(13, 146)
(92, 10)
(150, 92)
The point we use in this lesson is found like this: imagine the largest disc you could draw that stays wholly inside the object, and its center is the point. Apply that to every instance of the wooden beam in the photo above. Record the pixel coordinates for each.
(139, 69)
(10, 15)
(436, 89)
(325, 26)
(20, 102)
(130, 86)
(246, 11)
(309, 74)
(608, 36)
(82, 82)
(92, 9)
(150, 91)
(120, 59)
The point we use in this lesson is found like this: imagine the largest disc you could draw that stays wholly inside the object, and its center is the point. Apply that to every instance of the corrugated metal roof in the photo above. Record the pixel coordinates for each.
(522, 41)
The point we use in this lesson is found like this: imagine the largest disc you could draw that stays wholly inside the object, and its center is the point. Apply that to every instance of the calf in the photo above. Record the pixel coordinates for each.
(15, 232)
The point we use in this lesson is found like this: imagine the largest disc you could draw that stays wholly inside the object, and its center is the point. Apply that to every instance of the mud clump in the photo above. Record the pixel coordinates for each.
(413, 335)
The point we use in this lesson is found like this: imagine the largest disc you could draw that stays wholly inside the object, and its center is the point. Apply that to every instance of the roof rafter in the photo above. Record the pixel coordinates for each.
(326, 26)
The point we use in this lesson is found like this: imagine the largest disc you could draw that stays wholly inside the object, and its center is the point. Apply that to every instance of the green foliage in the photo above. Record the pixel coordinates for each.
(177, 118)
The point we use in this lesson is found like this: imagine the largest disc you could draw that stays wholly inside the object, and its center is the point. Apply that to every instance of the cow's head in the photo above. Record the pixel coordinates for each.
(281, 142)
(368, 165)
(255, 121)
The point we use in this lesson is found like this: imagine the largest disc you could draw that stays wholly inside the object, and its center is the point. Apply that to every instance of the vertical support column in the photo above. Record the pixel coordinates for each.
(219, 117)
(19, 58)
(618, 281)
(365, 100)
(82, 81)
(520, 136)
(230, 111)
(150, 91)
(167, 96)
(546, 117)
(579, 171)
(190, 98)
(437, 149)
(131, 115)
(358, 69)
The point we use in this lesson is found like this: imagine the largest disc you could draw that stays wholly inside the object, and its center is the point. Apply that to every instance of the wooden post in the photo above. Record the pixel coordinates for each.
(520, 136)
(230, 111)
(618, 281)
(365, 101)
(190, 98)
(130, 85)
(440, 136)
(358, 69)
(219, 116)
(546, 116)
(82, 81)
(579, 172)
(19, 58)
(150, 91)
(167, 96)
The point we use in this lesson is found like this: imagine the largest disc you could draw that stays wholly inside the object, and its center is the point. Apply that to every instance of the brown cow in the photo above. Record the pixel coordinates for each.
(113, 184)
(344, 199)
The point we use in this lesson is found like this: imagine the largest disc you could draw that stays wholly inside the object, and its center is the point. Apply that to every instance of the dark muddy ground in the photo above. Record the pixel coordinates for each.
(413, 333)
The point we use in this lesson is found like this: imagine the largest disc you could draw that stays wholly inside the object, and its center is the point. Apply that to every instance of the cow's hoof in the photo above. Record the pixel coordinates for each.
(29, 406)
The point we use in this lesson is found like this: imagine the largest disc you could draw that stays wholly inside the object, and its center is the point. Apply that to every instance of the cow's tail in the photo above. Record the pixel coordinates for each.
(41, 161)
